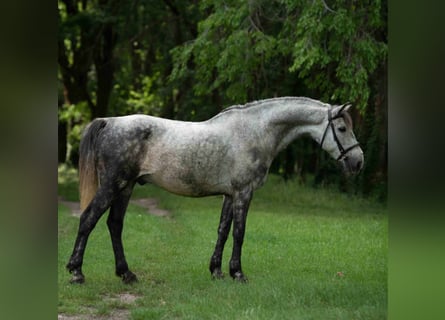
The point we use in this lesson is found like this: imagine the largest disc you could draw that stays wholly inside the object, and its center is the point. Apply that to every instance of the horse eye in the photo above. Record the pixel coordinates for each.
(342, 129)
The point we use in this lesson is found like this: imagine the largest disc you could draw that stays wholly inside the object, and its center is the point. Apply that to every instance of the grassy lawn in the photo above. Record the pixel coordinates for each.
(308, 254)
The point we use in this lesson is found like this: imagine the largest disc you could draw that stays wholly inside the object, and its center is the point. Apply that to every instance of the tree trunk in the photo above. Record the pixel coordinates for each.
(103, 61)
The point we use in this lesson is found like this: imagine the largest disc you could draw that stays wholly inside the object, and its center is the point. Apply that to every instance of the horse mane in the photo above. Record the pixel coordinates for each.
(256, 103)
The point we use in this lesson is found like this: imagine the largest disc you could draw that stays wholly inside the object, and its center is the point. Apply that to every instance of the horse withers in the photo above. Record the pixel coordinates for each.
(229, 154)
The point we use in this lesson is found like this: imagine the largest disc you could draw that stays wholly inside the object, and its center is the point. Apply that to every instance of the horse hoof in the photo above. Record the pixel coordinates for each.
(217, 274)
(129, 277)
(78, 277)
(239, 277)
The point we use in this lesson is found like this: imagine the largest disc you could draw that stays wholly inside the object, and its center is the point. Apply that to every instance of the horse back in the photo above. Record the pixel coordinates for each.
(186, 158)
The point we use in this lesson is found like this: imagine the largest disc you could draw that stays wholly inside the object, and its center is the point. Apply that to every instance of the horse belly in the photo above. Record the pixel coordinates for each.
(186, 183)
(191, 171)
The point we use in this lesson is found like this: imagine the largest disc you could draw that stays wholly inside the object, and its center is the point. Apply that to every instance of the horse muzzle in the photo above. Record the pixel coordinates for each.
(352, 162)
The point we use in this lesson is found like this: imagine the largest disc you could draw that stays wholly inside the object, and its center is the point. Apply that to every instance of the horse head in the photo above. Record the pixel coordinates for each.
(339, 140)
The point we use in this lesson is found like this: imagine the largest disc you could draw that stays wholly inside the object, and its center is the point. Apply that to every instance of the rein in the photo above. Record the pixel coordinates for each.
(342, 150)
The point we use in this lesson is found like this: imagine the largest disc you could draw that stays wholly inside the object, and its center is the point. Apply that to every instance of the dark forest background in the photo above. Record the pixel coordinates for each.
(188, 60)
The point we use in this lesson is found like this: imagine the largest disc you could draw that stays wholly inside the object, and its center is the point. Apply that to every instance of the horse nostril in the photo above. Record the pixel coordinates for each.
(358, 165)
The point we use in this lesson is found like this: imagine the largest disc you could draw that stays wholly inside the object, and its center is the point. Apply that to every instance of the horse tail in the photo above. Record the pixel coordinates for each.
(88, 180)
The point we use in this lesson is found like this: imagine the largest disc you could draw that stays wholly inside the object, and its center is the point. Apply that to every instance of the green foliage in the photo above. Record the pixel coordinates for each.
(229, 54)
(76, 116)
(333, 52)
(74, 113)
(144, 100)
(68, 182)
(344, 42)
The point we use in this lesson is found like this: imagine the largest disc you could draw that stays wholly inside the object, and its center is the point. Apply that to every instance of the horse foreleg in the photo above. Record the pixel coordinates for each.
(115, 224)
(88, 220)
(223, 232)
(240, 207)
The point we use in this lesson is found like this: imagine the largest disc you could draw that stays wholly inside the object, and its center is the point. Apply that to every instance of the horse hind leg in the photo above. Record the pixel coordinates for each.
(115, 225)
(223, 232)
(88, 220)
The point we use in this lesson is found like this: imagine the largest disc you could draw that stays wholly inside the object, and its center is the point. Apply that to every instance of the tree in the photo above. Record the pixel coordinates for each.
(86, 41)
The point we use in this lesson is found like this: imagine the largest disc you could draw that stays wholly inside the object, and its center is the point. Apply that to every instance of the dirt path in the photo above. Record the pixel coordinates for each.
(150, 204)
(126, 300)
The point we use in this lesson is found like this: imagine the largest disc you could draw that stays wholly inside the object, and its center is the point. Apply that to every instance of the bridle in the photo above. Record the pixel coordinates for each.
(342, 150)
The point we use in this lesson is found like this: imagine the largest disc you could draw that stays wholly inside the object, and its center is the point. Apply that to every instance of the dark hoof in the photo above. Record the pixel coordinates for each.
(78, 277)
(217, 274)
(129, 277)
(239, 277)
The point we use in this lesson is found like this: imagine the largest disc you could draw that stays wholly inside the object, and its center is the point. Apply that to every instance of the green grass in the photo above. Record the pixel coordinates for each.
(308, 254)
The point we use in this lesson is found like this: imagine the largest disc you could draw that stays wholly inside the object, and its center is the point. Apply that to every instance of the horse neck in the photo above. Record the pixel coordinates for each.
(293, 118)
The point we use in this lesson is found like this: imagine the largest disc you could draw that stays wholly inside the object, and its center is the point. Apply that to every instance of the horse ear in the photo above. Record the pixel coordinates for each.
(344, 107)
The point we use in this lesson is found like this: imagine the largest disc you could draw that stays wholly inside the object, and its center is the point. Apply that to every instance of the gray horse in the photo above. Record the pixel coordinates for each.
(229, 154)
